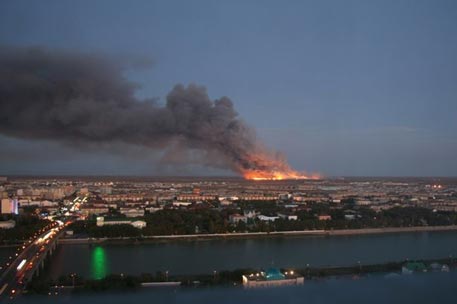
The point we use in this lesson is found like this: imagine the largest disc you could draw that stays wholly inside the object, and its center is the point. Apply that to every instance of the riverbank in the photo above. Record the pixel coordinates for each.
(248, 235)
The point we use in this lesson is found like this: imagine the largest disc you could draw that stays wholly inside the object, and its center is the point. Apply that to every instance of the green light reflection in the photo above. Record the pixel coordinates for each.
(99, 265)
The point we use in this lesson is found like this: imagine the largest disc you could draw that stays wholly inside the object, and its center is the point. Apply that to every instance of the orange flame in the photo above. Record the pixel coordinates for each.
(276, 175)
(269, 168)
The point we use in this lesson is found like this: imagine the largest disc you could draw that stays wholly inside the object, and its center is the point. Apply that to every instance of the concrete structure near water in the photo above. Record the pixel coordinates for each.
(272, 277)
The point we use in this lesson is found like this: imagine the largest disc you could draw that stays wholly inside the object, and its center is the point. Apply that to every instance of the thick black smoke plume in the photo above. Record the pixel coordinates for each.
(68, 97)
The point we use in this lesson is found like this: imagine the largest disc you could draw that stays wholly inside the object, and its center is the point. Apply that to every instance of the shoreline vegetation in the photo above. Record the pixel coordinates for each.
(72, 283)
(259, 219)
(249, 235)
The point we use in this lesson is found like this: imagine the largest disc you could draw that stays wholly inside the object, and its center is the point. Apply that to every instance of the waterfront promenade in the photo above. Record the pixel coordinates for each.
(339, 232)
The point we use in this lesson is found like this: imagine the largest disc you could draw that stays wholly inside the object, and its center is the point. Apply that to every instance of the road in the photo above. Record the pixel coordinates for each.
(22, 264)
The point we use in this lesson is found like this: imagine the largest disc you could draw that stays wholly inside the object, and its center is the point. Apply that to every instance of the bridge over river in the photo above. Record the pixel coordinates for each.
(29, 260)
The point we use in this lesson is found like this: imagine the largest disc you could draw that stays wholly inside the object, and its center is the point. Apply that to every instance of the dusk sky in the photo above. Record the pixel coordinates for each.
(342, 88)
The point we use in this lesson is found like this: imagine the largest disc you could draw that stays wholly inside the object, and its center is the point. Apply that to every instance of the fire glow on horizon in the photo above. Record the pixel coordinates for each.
(78, 85)
(263, 166)
(277, 175)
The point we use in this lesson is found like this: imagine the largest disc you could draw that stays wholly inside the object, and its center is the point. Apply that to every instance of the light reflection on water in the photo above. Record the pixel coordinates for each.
(99, 267)
(205, 256)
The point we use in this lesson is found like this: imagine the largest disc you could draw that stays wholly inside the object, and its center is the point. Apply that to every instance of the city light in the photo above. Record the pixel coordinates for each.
(21, 264)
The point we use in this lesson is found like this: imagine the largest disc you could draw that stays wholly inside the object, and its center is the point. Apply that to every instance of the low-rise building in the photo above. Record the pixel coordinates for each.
(324, 217)
(290, 217)
(153, 209)
(128, 212)
(267, 218)
(363, 202)
(236, 218)
(87, 211)
(43, 203)
(181, 204)
(272, 277)
(195, 197)
(7, 224)
(135, 223)
(257, 198)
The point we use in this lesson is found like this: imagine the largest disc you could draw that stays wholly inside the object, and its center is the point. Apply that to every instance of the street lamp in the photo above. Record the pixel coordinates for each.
(73, 275)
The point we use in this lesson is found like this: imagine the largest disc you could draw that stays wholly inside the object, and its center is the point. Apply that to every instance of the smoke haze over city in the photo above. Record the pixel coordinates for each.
(339, 89)
(78, 99)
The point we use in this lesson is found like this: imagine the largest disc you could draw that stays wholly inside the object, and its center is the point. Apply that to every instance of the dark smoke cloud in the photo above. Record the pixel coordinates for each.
(72, 97)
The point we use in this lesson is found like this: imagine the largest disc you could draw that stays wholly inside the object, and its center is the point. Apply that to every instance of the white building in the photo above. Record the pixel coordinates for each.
(153, 209)
(290, 217)
(267, 218)
(181, 204)
(132, 212)
(137, 224)
(44, 203)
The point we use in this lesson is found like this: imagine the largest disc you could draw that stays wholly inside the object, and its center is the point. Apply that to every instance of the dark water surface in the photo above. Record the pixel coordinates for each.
(419, 288)
(195, 257)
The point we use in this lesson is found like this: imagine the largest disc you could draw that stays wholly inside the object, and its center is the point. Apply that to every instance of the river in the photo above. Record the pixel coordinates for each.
(417, 289)
(194, 257)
